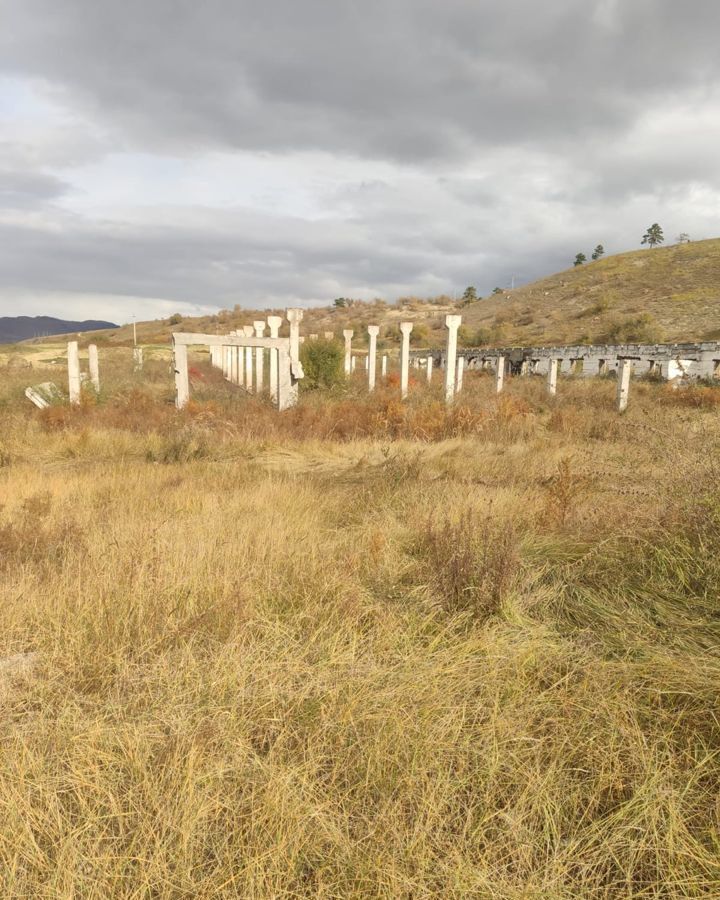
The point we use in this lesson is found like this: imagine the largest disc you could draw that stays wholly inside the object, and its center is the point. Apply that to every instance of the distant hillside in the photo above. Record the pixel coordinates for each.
(20, 328)
(666, 294)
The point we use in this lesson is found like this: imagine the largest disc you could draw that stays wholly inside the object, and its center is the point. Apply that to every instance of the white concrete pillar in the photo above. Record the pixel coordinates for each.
(552, 377)
(274, 323)
(384, 365)
(294, 317)
(230, 351)
(137, 359)
(353, 361)
(94, 367)
(460, 371)
(429, 368)
(240, 362)
(287, 390)
(73, 359)
(233, 363)
(182, 381)
(234, 374)
(499, 374)
(348, 334)
(259, 327)
(452, 324)
(248, 331)
(373, 332)
(623, 384)
(405, 328)
(328, 335)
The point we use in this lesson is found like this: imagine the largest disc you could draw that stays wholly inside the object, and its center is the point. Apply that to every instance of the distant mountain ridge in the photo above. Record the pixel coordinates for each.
(21, 328)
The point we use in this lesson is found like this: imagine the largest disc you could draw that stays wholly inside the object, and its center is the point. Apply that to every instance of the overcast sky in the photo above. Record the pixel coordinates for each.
(184, 155)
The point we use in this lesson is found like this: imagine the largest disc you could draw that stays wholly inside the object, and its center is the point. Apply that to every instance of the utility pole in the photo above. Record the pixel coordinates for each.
(134, 333)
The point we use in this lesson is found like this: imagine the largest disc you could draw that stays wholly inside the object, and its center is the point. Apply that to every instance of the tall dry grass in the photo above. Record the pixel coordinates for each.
(362, 649)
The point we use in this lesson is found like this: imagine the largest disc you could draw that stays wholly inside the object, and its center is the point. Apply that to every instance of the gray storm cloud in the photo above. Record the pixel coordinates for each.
(516, 132)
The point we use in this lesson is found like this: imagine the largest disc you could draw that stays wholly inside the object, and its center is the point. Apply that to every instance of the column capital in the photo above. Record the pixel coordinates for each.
(294, 314)
(248, 330)
(373, 330)
(274, 323)
(259, 327)
(348, 333)
(406, 327)
(453, 322)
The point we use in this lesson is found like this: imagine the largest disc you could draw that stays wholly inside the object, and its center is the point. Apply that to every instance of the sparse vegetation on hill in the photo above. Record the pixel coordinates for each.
(674, 290)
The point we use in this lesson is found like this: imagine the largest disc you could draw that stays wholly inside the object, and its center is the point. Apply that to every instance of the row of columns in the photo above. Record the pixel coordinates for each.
(454, 367)
(74, 374)
(245, 366)
(454, 364)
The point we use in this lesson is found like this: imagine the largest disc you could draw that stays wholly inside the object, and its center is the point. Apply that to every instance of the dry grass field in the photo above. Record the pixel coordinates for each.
(361, 648)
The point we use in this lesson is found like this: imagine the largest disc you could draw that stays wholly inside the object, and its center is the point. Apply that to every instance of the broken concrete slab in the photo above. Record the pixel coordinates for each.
(45, 394)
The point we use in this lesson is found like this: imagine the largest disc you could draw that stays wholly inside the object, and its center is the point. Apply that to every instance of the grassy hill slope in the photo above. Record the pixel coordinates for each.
(666, 294)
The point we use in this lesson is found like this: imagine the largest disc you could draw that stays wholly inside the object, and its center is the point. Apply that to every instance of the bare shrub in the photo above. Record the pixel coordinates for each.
(471, 563)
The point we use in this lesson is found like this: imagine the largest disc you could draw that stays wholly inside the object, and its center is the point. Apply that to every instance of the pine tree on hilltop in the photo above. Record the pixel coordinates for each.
(598, 251)
(580, 259)
(653, 236)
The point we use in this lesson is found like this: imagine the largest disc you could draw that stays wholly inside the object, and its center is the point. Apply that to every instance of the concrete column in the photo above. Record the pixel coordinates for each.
(348, 334)
(234, 363)
(373, 332)
(499, 374)
(429, 368)
(182, 381)
(294, 317)
(234, 366)
(353, 362)
(73, 359)
(384, 365)
(313, 337)
(287, 390)
(328, 335)
(405, 328)
(460, 371)
(248, 331)
(552, 377)
(274, 323)
(259, 327)
(623, 384)
(240, 362)
(452, 323)
(228, 360)
(137, 359)
(94, 367)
